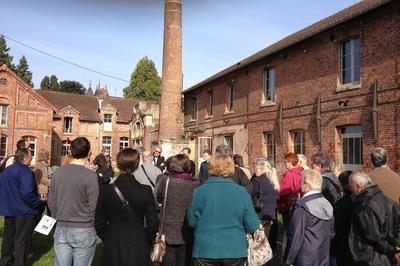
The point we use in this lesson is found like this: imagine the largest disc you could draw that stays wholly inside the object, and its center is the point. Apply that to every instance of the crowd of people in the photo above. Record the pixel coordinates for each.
(349, 219)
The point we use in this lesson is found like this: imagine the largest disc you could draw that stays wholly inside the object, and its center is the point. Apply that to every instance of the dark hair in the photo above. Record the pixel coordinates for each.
(168, 164)
(344, 180)
(188, 150)
(292, 158)
(21, 143)
(128, 160)
(238, 160)
(102, 163)
(322, 159)
(80, 148)
(20, 154)
(223, 150)
(179, 164)
(379, 157)
(208, 151)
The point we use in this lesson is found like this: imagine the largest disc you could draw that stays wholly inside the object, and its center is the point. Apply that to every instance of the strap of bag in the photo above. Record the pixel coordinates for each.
(164, 204)
(148, 178)
(121, 197)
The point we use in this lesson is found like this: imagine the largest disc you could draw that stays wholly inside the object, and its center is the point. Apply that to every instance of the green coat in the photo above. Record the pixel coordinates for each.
(221, 212)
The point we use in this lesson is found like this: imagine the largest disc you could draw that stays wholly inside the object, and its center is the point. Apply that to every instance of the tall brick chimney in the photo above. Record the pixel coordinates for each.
(170, 105)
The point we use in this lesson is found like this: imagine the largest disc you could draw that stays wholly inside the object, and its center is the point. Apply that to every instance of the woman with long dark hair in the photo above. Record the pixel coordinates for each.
(126, 216)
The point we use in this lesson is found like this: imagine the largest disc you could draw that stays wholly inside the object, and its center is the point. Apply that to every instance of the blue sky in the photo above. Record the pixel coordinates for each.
(111, 36)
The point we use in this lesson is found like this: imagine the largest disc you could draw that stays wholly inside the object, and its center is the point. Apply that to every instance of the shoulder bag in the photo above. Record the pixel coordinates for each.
(259, 251)
(124, 202)
(159, 246)
(148, 178)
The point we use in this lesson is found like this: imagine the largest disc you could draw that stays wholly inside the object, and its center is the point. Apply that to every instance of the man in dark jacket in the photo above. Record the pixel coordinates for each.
(375, 228)
(19, 203)
(240, 177)
(331, 188)
(187, 151)
(203, 174)
(310, 225)
(158, 160)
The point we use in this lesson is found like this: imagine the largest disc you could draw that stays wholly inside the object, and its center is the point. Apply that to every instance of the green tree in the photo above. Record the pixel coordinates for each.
(23, 72)
(5, 58)
(71, 86)
(54, 86)
(45, 83)
(145, 83)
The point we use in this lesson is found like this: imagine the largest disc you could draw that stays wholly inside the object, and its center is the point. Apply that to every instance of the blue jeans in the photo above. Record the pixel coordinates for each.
(74, 246)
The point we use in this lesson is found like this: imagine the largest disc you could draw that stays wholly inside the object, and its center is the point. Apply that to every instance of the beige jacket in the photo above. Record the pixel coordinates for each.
(388, 181)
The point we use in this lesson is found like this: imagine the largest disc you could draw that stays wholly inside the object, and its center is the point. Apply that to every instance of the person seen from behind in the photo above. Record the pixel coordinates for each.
(311, 225)
(103, 171)
(147, 173)
(203, 174)
(238, 159)
(43, 174)
(126, 228)
(187, 151)
(73, 194)
(178, 234)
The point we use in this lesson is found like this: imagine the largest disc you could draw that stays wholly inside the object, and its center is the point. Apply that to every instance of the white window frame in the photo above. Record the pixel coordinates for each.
(65, 146)
(270, 157)
(3, 115)
(352, 135)
(233, 141)
(107, 145)
(67, 124)
(302, 140)
(269, 90)
(352, 61)
(107, 123)
(32, 141)
(2, 156)
(123, 143)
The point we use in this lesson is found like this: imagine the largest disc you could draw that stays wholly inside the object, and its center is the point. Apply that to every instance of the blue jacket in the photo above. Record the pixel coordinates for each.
(221, 213)
(18, 191)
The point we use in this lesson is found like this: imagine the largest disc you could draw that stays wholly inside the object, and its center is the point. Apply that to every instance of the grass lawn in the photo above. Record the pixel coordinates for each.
(42, 249)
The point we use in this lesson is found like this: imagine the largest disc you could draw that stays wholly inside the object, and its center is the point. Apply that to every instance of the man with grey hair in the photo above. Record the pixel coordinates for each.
(147, 173)
(311, 224)
(240, 177)
(375, 227)
(387, 180)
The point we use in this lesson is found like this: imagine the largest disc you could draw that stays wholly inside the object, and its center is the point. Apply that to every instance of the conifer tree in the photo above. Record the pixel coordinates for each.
(23, 71)
(5, 57)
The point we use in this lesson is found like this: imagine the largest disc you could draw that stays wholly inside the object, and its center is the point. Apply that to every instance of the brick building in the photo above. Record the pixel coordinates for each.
(51, 120)
(333, 86)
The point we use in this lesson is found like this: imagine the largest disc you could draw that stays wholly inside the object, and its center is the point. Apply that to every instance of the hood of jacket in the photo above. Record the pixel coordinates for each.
(318, 206)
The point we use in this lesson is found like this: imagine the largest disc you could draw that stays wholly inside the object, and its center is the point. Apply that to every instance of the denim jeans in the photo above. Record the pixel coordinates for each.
(74, 246)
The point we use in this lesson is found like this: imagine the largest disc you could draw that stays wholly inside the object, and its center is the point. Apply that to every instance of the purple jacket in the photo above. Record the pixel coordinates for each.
(311, 227)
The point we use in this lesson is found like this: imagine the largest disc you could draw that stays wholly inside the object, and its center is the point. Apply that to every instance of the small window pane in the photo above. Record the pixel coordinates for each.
(351, 151)
(357, 148)
(345, 150)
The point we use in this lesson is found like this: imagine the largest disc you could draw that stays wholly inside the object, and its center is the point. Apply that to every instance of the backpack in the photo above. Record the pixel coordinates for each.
(4, 163)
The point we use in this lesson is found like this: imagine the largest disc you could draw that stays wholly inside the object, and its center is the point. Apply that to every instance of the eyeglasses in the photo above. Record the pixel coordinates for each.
(157, 151)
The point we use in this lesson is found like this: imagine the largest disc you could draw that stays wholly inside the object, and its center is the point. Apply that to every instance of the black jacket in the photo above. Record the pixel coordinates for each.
(264, 189)
(127, 232)
(331, 188)
(375, 230)
(159, 162)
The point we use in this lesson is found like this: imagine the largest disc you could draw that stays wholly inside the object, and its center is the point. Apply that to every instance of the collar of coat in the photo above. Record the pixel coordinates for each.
(219, 179)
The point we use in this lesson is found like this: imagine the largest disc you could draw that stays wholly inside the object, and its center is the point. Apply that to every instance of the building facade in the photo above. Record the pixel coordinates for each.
(333, 87)
(51, 120)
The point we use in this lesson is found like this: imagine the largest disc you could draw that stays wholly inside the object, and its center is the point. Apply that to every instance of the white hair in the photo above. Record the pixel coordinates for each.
(303, 161)
(269, 171)
(361, 178)
(312, 177)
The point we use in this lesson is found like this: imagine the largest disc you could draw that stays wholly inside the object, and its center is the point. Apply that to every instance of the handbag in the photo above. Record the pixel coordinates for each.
(259, 251)
(159, 246)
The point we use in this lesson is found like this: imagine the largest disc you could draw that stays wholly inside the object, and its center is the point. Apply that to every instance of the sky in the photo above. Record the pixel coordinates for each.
(111, 36)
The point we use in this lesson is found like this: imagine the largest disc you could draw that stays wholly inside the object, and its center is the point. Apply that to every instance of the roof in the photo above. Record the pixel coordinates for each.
(318, 27)
(88, 106)
(124, 107)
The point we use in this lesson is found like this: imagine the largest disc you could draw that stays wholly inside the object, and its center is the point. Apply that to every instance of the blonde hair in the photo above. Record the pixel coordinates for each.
(221, 165)
(312, 177)
(269, 171)
(43, 155)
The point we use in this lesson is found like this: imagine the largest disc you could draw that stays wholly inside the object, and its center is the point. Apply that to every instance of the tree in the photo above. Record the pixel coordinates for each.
(23, 72)
(45, 83)
(71, 86)
(5, 58)
(145, 83)
(54, 86)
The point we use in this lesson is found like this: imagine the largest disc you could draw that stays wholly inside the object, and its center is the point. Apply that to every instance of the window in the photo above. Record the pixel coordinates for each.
(3, 114)
(298, 141)
(350, 61)
(204, 143)
(352, 147)
(269, 85)
(67, 124)
(107, 118)
(194, 108)
(210, 103)
(269, 140)
(65, 148)
(229, 105)
(3, 147)
(228, 140)
(123, 143)
(106, 145)
(137, 142)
